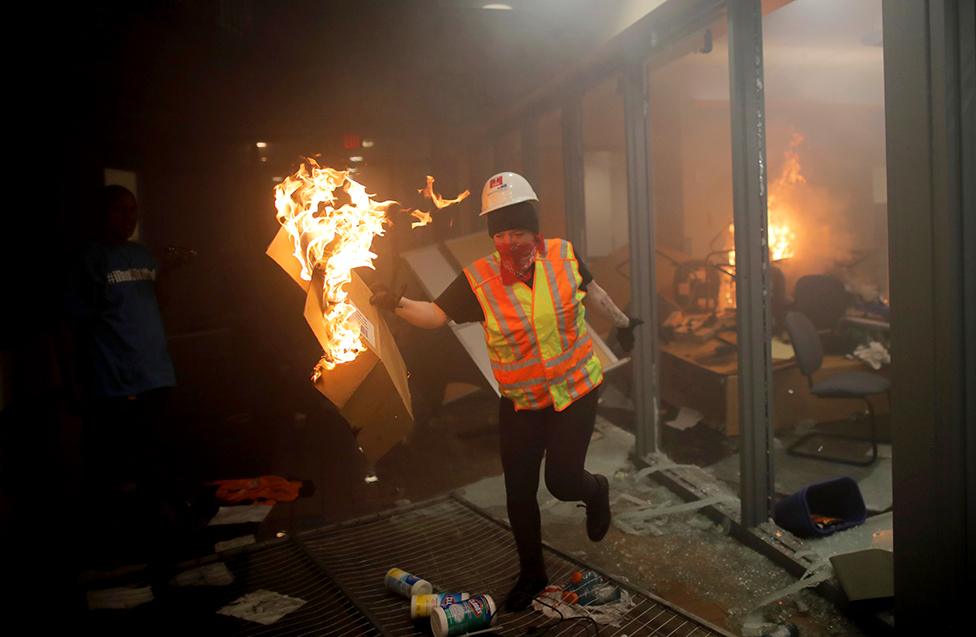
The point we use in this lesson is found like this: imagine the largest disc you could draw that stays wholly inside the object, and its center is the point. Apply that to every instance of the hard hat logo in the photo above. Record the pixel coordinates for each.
(505, 189)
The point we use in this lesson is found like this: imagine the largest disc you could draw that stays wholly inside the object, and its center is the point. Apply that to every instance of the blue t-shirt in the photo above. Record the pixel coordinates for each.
(113, 296)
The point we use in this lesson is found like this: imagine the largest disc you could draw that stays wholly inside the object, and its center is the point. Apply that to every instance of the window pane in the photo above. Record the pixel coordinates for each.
(691, 196)
(605, 186)
(825, 148)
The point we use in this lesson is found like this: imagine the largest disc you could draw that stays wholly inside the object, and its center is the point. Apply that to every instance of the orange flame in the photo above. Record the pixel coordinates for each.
(422, 218)
(332, 221)
(780, 237)
(333, 237)
(428, 193)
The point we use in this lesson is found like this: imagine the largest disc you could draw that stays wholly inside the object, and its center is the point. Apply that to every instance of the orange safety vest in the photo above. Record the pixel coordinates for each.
(541, 353)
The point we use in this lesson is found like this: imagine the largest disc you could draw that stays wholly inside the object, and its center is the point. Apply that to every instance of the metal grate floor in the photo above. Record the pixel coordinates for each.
(279, 566)
(339, 570)
(459, 548)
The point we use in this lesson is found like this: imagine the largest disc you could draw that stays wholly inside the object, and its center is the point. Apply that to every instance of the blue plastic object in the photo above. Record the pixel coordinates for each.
(591, 590)
(837, 498)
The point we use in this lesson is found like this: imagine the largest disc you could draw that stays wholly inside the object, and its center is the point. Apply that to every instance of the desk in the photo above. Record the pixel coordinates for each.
(694, 375)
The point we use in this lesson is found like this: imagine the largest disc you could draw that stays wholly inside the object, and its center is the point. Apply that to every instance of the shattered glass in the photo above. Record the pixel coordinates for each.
(675, 551)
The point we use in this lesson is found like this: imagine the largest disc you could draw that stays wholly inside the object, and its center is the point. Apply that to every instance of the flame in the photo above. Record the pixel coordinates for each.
(422, 218)
(332, 221)
(333, 238)
(428, 193)
(780, 236)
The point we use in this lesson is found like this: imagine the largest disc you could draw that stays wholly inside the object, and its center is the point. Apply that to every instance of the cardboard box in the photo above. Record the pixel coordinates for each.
(282, 251)
(866, 575)
(370, 392)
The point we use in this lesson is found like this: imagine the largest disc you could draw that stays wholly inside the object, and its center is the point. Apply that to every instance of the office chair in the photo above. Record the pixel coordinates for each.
(862, 385)
(823, 299)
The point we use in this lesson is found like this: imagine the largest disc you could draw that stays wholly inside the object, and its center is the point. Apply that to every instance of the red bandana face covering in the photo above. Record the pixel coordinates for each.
(518, 260)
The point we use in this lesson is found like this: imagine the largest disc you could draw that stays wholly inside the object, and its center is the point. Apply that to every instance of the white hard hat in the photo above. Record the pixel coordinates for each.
(505, 189)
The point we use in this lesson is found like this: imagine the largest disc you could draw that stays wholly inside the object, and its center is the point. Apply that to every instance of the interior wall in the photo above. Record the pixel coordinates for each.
(605, 185)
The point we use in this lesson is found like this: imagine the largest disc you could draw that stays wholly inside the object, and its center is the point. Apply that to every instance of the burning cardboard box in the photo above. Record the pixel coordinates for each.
(370, 391)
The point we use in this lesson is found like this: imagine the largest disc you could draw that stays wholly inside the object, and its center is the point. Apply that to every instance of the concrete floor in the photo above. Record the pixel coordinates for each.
(791, 473)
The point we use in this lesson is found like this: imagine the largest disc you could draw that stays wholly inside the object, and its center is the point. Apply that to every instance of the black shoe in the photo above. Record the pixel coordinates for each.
(598, 512)
(524, 591)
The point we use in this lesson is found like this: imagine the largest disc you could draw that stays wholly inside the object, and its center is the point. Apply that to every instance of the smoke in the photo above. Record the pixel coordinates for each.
(822, 240)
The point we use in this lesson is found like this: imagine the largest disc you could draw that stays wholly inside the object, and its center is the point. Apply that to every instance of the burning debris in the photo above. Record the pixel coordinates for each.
(428, 193)
(334, 237)
(332, 220)
(328, 223)
(424, 218)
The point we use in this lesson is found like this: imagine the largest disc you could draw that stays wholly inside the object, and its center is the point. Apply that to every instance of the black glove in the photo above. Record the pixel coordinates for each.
(384, 299)
(625, 335)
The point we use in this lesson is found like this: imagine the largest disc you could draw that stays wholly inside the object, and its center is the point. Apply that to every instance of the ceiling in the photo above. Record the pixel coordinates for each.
(184, 72)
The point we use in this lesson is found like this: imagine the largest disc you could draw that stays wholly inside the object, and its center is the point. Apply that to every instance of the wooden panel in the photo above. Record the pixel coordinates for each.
(685, 384)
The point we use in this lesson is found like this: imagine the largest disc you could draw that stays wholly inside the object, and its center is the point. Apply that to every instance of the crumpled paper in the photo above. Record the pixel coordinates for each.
(119, 598)
(261, 606)
(874, 354)
(240, 514)
(210, 575)
(609, 614)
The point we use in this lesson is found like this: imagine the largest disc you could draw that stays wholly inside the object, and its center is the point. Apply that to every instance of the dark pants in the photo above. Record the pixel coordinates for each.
(129, 476)
(563, 438)
(121, 442)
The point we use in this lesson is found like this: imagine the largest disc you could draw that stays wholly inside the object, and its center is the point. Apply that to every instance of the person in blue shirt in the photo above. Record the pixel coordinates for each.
(123, 361)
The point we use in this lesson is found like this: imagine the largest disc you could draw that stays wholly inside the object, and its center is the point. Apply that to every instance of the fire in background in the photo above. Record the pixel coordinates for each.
(805, 228)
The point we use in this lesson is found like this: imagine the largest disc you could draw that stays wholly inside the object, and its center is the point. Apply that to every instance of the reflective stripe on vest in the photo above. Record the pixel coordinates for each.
(538, 345)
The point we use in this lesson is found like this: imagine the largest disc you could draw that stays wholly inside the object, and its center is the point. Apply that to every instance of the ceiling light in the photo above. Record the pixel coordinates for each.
(367, 143)
(356, 158)
(261, 144)
(263, 159)
(497, 6)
